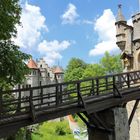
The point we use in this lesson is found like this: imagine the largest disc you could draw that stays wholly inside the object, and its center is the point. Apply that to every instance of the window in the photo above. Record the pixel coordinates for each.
(34, 72)
(40, 66)
(48, 74)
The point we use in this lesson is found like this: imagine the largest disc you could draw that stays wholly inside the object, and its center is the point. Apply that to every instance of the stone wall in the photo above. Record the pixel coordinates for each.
(135, 125)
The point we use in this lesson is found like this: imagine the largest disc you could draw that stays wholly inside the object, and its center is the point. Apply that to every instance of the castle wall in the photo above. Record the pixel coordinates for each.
(136, 22)
(128, 36)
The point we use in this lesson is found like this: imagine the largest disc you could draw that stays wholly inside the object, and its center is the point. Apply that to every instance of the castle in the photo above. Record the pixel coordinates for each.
(128, 40)
(40, 75)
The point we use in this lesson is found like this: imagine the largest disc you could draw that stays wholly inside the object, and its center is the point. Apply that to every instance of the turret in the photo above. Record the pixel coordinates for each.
(120, 29)
(58, 72)
(32, 78)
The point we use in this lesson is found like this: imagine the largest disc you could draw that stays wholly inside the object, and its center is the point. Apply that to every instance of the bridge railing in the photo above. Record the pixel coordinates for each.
(32, 99)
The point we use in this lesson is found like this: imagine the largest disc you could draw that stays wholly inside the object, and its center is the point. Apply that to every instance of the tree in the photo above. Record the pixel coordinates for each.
(9, 17)
(12, 61)
(78, 69)
(75, 69)
(111, 63)
(93, 70)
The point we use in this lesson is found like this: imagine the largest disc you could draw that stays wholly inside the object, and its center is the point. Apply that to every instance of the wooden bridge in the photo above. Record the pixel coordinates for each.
(88, 96)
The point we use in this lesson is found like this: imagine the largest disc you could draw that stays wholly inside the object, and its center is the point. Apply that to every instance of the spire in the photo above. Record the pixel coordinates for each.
(120, 16)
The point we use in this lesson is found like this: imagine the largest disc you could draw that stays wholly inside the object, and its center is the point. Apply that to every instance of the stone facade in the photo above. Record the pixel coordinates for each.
(128, 40)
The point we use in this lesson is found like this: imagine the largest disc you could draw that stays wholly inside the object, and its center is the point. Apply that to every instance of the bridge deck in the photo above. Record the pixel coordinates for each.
(38, 104)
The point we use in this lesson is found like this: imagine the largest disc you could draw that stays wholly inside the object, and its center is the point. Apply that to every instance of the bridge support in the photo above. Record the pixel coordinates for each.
(110, 124)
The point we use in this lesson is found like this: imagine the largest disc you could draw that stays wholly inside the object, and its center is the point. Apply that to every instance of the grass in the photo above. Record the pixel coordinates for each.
(53, 130)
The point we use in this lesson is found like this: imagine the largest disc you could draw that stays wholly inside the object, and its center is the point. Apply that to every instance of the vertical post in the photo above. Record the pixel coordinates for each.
(32, 109)
(97, 86)
(19, 99)
(128, 80)
(31, 97)
(92, 87)
(114, 83)
(78, 93)
(60, 95)
(106, 83)
(49, 99)
(41, 94)
(57, 95)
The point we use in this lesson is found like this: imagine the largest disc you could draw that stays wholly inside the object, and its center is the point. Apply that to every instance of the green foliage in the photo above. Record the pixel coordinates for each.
(53, 131)
(78, 69)
(9, 17)
(12, 62)
(93, 70)
(75, 69)
(111, 63)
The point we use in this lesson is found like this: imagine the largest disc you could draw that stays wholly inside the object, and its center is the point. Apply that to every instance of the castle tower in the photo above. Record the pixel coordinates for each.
(33, 77)
(124, 40)
(58, 74)
(120, 29)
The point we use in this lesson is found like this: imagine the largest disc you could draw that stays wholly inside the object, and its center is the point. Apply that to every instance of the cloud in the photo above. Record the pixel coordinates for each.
(52, 49)
(87, 22)
(32, 25)
(70, 16)
(105, 28)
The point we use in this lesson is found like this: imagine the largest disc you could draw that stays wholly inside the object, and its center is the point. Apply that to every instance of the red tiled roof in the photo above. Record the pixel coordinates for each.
(32, 64)
(58, 70)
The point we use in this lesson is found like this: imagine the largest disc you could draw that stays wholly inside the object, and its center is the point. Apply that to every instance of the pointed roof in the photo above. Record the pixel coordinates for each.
(120, 16)
(32, 64)
(58, 70)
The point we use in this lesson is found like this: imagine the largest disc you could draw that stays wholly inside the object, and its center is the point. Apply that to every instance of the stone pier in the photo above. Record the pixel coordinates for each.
(115, 119)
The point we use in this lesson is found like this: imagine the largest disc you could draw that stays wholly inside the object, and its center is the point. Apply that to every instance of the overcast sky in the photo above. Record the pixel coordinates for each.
(58, 30)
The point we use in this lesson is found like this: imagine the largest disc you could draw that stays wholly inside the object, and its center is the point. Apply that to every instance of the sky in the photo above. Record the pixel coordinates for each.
(58, 30)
